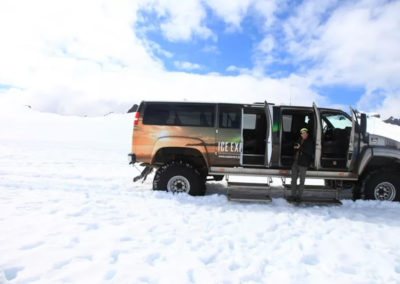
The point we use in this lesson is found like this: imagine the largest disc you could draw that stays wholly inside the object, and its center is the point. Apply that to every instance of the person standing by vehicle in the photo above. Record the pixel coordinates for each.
(304, 151)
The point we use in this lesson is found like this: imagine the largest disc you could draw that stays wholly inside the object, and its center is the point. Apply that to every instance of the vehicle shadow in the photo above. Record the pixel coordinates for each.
(367, 211)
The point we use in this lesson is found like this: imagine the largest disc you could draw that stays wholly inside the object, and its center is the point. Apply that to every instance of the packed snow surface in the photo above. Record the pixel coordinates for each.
(69, 213)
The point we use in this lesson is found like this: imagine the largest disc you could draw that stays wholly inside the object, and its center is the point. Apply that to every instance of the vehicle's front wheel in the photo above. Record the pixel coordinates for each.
(179, 177)
(383, 186)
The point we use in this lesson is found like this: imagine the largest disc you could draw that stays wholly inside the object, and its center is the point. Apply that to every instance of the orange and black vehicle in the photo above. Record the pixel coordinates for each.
(189, 143)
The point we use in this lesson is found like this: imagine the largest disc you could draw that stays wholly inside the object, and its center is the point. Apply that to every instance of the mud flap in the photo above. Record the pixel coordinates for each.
(147, 170)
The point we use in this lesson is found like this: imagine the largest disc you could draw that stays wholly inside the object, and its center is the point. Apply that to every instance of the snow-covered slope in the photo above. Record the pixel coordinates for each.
(377, 126)
(70, 213)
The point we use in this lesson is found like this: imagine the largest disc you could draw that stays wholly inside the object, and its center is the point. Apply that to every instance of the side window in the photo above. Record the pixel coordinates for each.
(249, 121)
(229, 116)
(180, 115)
(195, 115)
(158, 114)
(287, 123)
(294, 120)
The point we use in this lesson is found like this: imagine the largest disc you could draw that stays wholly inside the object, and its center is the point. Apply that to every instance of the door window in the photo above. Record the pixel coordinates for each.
(249, 121)
(287, 123)
(229, 117)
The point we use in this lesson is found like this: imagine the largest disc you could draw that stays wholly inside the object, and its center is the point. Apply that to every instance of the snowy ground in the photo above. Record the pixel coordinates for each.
(69, 213)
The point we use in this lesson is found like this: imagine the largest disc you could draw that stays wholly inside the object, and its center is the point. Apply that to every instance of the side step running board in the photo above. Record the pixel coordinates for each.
(314, 188)
(247, 196)
(248, 192)
(260, 192)
(261, 186)
(310, 201)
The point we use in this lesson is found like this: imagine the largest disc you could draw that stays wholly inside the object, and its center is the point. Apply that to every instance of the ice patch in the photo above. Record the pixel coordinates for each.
(109, 275)
(61, 264)
(32, 245)
(11, 273)
(310, 259)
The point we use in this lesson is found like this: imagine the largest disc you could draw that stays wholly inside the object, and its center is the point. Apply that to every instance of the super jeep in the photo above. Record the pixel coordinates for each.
(190, 143)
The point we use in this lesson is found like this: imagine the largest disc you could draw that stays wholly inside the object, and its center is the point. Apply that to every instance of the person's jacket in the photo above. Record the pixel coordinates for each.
(305, 152)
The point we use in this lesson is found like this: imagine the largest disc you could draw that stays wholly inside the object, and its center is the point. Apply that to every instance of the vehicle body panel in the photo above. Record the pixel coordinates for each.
(221, 148)
(148, 139)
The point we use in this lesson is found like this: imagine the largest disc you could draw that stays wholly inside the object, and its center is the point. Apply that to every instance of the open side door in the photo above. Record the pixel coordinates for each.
(351, 155)
(318, 135)
(268, 144)
(254, 136)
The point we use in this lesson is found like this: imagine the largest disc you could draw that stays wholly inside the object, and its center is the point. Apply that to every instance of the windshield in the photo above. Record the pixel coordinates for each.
(338, 120)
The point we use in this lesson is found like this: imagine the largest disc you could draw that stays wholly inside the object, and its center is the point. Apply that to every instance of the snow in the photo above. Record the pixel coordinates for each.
(69, 213)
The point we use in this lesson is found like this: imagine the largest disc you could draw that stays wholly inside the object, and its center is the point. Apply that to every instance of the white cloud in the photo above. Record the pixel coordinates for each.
(156, 48)
(84, 57)
(243, 71)
(211, 49)
(268, 9)
(353, 43)
(185, 65)
(184, 20)
(231, 11)
(360, 45)
(306, 20)
(266, 45)
(263, 54)
(389, 106)
(382, 102)
(180, 20)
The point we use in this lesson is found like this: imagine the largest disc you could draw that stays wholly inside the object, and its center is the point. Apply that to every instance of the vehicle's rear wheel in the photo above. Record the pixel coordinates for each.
(383, 186)
(178, 177)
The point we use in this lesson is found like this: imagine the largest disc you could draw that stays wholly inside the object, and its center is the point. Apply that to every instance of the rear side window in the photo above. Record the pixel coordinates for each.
(229, 116)
(180, 114)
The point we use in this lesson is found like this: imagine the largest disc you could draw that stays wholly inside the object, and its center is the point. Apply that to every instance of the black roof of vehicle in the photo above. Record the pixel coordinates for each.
(242, 104)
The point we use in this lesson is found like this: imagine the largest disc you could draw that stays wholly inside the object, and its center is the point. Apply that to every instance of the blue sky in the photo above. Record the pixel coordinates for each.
(231, 48)
(103, 56)
(238, 47)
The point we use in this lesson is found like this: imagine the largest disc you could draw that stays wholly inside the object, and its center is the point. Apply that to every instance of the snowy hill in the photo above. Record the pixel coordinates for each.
(393, 120)
(379, 127)
(69, 212)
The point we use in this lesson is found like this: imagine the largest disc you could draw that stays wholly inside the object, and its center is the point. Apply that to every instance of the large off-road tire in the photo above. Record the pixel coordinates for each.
(177, 177)
(383, 185)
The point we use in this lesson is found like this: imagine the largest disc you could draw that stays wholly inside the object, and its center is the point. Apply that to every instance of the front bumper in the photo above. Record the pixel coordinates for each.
(131, 158)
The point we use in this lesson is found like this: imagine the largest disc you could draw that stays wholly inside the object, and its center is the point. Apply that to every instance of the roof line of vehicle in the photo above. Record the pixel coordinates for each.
(243, 104)
(195, 102)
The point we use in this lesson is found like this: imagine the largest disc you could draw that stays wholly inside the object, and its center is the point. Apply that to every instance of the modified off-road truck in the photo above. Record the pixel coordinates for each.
(191, 143)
